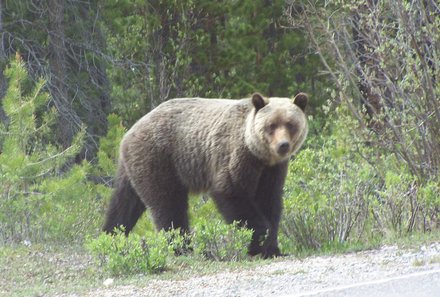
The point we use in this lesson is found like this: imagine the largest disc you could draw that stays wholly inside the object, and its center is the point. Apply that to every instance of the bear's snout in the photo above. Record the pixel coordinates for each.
(283, 148)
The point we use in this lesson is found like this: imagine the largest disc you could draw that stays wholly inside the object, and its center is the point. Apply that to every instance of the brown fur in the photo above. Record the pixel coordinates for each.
(235, 150)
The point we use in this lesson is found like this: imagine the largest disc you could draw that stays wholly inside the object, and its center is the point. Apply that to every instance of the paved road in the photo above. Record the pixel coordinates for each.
(422, 284)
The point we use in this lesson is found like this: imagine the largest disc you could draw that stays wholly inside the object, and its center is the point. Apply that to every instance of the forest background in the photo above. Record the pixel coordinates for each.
(76, 74)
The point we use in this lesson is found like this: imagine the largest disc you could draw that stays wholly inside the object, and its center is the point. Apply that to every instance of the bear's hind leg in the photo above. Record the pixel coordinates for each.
(125, 206)
(170, 209)
(159, 187)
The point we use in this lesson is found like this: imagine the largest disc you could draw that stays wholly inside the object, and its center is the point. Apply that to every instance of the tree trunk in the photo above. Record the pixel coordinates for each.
(68, 120)
(95, 109)
(361, 36)
(3, 58)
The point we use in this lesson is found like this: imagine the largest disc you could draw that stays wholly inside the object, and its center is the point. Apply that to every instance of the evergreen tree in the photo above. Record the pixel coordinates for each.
(38, 197)
(61, 41)
(202, 48)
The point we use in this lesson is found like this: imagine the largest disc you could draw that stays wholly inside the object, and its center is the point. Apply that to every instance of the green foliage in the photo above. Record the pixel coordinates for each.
(385, 72)
(429, 196)
(204, 209)
(327, 198)
(69, 210)
(226, 49)
(218, 241)
(179, 242)
(38, 199)
(108, 152)
(335, 195)
(328, 190)
(121, 255)
(70, 57)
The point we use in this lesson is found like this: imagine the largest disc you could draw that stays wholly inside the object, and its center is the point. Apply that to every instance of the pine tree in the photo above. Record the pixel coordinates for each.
(30, 158)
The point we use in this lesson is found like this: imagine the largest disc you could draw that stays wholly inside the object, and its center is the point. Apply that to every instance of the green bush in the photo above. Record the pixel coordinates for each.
(122, 255)
(327, 200)
(179, 242)
(214, 240)
(329, 189)
(218, 241)
(403, 204)
(341, 190)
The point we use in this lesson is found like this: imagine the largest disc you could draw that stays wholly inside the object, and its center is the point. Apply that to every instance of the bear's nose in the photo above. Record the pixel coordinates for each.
(283, 148)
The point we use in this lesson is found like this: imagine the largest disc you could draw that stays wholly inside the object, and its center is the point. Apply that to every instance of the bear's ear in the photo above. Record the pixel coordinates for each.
(301, 100)
(258, 101)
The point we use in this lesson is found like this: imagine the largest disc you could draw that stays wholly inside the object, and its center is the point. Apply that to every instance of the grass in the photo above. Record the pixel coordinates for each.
(40, 270)
(412, 240)
(418, 263)
(434, 260)
(336, 248)
(56, 269)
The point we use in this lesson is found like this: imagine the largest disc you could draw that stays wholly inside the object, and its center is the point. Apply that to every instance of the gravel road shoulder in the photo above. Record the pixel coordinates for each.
(293, 276)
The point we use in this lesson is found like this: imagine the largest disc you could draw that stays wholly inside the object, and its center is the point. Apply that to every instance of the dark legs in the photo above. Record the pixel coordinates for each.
(167, 199)
(260, 212)
(170, 210)
(237, 208)
(269, 201)
(256, 208)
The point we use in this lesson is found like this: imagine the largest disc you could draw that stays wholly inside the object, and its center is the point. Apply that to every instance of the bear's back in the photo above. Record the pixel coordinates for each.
(195, 135)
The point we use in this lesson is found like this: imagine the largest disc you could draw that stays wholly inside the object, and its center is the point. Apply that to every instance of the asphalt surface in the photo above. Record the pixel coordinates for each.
(421, 284)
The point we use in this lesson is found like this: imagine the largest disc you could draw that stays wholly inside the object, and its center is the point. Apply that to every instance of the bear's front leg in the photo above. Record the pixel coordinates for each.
(236, 195)
(242, 209)
(264, 243)
(269, 202)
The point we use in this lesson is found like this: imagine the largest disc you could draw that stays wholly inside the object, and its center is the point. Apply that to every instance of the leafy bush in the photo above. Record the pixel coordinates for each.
(327, 199)
(218, 241)
(179, 242)
(403, 204)
(381, 59)
(428, 197)
(381, 163)
(335, 194)
(122, 255)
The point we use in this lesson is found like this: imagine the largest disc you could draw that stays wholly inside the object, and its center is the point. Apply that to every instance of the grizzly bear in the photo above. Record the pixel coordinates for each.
(237, 151)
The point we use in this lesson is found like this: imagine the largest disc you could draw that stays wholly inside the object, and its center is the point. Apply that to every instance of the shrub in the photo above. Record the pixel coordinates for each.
(381, 57)
(335, 194)
(218, 241)
(179, 242)
(326, 199)
(108, 152)
(121, 255)
(388, 165)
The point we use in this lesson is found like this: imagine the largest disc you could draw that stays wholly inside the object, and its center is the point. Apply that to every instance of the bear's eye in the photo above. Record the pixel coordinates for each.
(291, 127)
(272, 127)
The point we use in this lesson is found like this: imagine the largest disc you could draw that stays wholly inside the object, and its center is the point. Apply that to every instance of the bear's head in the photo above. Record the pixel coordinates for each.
(276, 127)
